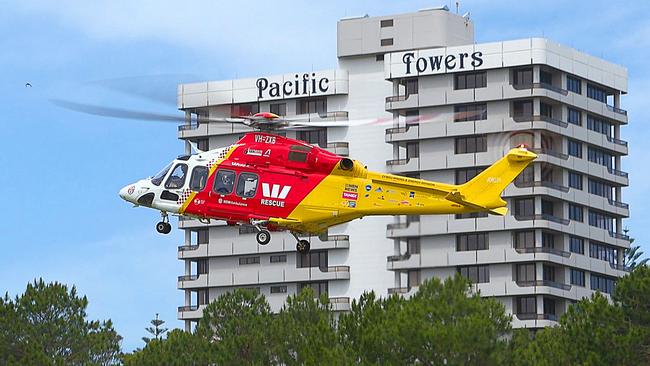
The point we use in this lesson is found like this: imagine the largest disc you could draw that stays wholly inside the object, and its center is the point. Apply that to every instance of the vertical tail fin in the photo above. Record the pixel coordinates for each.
(485, 189)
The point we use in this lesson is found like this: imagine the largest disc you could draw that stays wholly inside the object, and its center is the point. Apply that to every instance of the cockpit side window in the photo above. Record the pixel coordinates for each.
(247, 185)
(224, 181)
(199, 178)
(177, 177)
(157, 179)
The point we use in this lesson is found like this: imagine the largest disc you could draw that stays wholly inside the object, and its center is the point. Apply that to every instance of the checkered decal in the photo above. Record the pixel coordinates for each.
(185, 194)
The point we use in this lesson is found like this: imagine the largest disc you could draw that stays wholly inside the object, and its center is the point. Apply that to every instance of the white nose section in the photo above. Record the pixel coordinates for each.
(127, 193)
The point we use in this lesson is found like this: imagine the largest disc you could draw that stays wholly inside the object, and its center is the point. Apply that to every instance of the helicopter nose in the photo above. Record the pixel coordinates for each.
(126, 193)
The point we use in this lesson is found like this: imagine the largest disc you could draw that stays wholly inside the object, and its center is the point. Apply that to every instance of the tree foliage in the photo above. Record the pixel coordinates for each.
(156, 329)
(47, 325)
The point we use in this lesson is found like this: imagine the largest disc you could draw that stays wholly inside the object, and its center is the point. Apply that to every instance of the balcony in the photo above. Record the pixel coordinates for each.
(554, 251)
(619, 235)
(618, 204)
(193, 251)
(339, 148)
(332, 242)
(332, 116)
(618, 173)
(404, 133)
(538, 118)
(191, 312)
(617, 110)
(340, 303)
(192, 281)
(403, 261)
(542, 183)
(546, 86)
(534, 316)
(399, 290)
(403, 165)
(620, 267)
(558, 285)
(546, 217)
(616, 141)
(403, 229)
(401, 102)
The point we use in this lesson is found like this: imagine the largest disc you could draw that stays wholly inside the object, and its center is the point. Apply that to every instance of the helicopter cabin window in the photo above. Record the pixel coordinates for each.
(177, 178)
(247, 185)
(199, 178)
(224, 182)
(158, 178)
(298, 153)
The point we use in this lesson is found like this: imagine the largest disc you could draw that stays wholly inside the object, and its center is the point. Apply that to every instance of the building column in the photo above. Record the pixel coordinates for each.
(188, 121)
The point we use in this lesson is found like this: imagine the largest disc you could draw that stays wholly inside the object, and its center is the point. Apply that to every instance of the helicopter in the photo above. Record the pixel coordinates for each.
(275, 183)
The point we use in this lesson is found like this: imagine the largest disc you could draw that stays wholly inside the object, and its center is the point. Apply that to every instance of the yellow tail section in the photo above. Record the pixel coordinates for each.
(484, 190)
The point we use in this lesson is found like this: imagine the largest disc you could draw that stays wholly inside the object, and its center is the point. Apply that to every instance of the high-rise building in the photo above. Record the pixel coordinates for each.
(445, 108)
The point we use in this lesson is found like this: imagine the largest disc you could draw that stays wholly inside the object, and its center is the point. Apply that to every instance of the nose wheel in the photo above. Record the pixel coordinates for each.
(302, 246)
(263, 237)
(164, 227)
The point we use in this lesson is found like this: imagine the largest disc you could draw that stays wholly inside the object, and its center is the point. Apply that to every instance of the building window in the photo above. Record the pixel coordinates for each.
(548, 240)
(548, 273)
(599, 156)
(465, 175)
(278, 108)
(545, 77)
(577, 277)
(470, 112)
(526, 272)
(545, 110)
(576, 245)
(279, 289)
(311, 105)
(526, 176)
(201, 236)
(312, 259)
(526, 305)
(411, 85)
(202, 297)
(247, 109)
(524, 239)
(602, 283)
(249, 260)
(412, 150)
(280, 258)
(597, 93)
(522, 108)
(525, 207)
(471, 215)
(413, 278)
(471, 144)
(387, 42)
(202, 144)
(412, 117)
(319, 288)
(601, 220)
(575, 148)
(574, 116)
(522, 77)
(576, 212)
(600, 188)
(470, 80)
(385, 23)
(575, 180)
(379, 57)
(467, 242)
(599, 125)
(602, 252)
(202, 266)
(573, 84)
(475, 274)
(314, 137)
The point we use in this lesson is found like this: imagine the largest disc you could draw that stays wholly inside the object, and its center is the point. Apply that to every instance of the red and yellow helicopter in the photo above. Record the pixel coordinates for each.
(276, 183)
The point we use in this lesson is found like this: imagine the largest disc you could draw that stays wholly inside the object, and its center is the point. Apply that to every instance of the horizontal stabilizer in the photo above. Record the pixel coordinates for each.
(500, 211)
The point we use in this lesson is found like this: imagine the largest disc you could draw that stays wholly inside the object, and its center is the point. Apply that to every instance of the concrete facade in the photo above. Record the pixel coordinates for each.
(437, 125)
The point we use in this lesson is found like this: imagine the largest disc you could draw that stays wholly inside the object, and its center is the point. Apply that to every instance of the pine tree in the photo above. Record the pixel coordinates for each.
(155, 330)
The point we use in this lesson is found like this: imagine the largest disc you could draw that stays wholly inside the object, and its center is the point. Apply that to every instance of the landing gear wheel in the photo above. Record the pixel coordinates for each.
(263, 237)
(302, 246)
(163, 227)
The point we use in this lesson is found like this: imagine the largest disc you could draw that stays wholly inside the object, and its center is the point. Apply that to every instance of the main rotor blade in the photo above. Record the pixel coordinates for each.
(111, 112)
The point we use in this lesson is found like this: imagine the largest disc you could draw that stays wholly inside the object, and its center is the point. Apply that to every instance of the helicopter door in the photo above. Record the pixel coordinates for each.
(175, 181)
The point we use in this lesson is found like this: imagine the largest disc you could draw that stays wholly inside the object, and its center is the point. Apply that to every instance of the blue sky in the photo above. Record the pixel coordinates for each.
(62, 218)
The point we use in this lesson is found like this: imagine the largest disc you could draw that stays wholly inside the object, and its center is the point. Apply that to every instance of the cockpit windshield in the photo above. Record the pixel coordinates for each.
(158, 178)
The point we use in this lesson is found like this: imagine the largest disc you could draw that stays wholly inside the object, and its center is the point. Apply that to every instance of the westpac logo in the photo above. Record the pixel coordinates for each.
(274, 191)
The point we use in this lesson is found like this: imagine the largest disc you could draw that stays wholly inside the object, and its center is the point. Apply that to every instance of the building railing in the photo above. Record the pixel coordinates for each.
(544, 250)
(403, 161)
(618, 173)
(183, 248)
(335, 269)
(550, 152)
(616, 141)
(546, 86)
(397, 98)
(188, 277)
(542, 183)
(398, 290)
(339, 300)
(397, 225)
(618, 203)
(339, 144)
(534, 316)
(398, 257)
(619, 236)
(339, 237)
(188, 308)
(534, 118)
(191, 126)
(617, 110)
(394, 130)
(547, 217)
(620, 267)
(561, 286)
